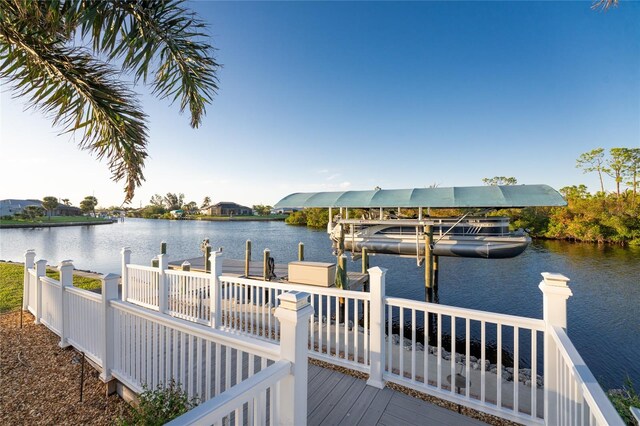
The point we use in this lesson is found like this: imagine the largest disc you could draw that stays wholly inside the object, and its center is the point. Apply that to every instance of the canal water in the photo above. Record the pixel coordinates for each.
(603, 319)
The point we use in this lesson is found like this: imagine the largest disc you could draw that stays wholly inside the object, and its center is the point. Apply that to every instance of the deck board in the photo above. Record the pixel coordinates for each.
(337, 399)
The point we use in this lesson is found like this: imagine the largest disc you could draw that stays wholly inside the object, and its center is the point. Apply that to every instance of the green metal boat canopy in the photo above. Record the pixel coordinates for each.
(507, 196)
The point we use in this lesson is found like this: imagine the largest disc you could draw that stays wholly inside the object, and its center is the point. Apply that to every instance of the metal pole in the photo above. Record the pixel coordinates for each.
(82, 377)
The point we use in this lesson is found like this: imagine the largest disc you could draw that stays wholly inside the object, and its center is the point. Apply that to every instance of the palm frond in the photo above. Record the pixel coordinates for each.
(76, 90)
(160, 38)
(604, 4)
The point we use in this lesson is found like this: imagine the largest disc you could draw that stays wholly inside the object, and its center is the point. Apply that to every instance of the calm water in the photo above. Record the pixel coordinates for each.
(603, 321)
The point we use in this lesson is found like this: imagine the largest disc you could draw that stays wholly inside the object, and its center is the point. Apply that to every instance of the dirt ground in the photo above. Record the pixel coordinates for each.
(40, 382)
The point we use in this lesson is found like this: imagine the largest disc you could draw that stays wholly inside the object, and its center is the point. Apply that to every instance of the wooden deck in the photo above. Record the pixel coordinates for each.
(337, 399)
(235, 267)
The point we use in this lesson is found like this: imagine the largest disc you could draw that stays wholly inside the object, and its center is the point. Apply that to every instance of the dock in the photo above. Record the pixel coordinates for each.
(235, 267)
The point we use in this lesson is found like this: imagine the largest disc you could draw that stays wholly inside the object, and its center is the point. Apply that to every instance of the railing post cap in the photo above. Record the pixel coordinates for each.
(66, 262)
(110, 276)
(555, 279)
(294, 300)
(30, 251)
(41, 261)
(185, 263)
(125, 249)
(376, 270)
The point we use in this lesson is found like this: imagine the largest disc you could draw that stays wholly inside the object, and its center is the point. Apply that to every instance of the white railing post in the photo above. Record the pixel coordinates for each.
(109, 293)
(376, 335)
(126, 259)
(29, 258)
(41, 270)
(555, 293)
(163, 288)
(215, 290)
(66, 280)
(294, 313)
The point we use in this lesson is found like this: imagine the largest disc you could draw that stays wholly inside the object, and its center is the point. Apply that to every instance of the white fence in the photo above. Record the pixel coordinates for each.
(499, 364)
(242, 380)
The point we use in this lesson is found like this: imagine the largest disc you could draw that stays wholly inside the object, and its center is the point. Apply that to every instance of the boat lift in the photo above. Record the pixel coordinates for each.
(474, 197)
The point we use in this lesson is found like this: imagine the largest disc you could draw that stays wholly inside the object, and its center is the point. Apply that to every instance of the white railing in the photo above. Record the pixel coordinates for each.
(490, 362)
(577, 396)
(85, 322)
(151, 348)
(145, 349)
(142, 286)
(338, 330)
(434, 348)
(256, 396)
(188, 295)
(51, 303)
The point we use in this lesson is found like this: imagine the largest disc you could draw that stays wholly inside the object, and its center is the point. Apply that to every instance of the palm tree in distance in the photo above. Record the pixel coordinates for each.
(61, 56)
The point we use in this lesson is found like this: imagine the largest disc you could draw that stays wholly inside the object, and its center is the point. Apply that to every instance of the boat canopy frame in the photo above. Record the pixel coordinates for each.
(502, 196)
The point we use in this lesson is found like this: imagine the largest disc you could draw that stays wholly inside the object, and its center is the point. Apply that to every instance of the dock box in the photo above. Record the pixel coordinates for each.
(313, 273)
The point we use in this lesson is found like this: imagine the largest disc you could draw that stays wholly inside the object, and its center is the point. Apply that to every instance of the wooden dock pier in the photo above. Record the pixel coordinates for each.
(236, 267)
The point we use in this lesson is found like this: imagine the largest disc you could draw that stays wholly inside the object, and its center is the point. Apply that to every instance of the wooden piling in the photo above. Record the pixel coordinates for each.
(247, 258)
(186, 266)
(436, 260)
(300, 251)
(428, 257)
(154, 262)
(207, 259)
(265, 265)
(365, 260)
(163, 247)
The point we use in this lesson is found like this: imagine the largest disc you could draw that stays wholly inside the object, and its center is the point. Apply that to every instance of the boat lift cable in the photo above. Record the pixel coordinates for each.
(459, 220)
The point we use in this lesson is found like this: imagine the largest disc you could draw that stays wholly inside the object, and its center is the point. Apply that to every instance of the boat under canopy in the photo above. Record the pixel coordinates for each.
(481, 237)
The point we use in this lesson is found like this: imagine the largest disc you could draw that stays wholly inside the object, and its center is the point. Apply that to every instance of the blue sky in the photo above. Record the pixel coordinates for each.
(335, 96)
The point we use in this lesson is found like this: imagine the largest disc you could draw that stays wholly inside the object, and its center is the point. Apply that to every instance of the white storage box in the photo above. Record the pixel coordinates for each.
(313, 273)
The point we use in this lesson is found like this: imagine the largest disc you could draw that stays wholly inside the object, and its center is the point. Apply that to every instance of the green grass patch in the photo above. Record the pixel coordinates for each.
(11, 279)
(53, 219)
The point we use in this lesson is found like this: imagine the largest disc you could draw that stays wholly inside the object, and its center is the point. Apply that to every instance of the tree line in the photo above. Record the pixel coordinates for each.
(602, 217)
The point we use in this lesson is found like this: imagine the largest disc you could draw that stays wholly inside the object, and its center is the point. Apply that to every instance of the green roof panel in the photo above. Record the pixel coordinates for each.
(507, 196)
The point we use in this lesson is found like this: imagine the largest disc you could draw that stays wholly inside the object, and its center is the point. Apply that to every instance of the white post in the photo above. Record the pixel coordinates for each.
(294, 313)
(109, 293)
(66, 280)
(377, 312)
(555, 293)
(41, 270)
(215, 292)
(163, 288)
(126, 259)
(29, 257)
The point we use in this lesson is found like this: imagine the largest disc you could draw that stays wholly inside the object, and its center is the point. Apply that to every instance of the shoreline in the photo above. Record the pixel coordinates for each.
(54, 225)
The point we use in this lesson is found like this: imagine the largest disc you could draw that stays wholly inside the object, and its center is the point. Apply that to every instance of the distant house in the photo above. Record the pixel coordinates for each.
(177, 213)
(64, 210)
(12, 207)
(226, 208)
(285, 210)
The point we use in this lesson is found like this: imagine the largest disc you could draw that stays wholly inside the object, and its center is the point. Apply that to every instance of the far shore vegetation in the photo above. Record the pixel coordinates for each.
(12, 275)
(601, 217)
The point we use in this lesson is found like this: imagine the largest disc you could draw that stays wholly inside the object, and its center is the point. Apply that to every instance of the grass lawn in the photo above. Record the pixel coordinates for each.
(11, 278)
(53, 219)
(247, 217)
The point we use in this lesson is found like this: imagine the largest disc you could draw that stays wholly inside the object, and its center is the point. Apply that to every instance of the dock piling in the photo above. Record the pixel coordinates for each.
(265, 265)
(207, 258)
(186, 266)
(300, 251)
(163, 247)
(428, 259)
(247, 258)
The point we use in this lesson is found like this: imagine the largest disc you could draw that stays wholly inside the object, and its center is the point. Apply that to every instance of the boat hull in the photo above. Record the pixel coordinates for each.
(494, 248)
